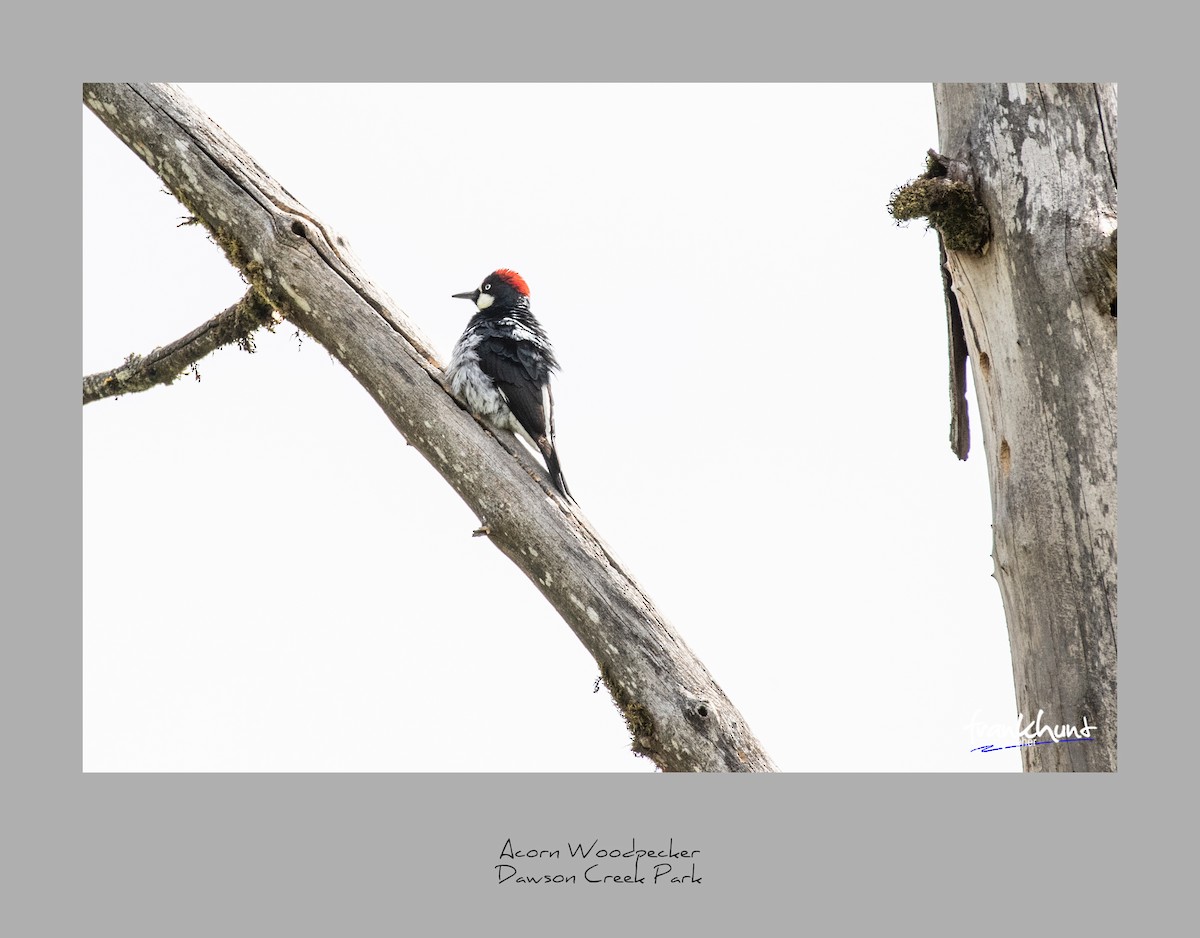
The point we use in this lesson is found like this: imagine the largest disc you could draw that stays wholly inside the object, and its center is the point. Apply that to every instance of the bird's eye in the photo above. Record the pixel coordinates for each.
(487, 286)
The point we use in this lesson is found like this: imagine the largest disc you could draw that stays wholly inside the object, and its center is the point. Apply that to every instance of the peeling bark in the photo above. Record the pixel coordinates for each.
(1038, 309)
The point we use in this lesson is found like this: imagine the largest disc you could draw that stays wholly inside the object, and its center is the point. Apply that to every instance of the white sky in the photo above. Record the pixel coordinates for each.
(753, 412)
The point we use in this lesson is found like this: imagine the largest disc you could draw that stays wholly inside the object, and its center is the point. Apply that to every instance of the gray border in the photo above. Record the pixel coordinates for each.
(341, 854)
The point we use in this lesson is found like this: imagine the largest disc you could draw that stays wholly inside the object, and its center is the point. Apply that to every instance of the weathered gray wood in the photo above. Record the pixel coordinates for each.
(677, 714)
(1039, 313)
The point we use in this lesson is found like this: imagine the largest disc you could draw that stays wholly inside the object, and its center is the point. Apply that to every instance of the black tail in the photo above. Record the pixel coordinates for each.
(550, 454)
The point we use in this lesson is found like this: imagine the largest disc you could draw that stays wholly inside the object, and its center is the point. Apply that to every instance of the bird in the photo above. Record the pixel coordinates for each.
(500, 367)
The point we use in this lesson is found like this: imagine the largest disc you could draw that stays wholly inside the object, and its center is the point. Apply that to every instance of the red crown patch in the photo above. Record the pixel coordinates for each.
(513, 279)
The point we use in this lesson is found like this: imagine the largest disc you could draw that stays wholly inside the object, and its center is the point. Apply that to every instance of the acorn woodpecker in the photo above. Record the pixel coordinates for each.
(500, 367)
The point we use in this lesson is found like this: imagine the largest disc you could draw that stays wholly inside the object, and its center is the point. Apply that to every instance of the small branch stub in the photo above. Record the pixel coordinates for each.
(945, 194)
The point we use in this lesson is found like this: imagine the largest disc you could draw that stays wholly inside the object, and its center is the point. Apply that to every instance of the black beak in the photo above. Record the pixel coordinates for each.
(472, 296)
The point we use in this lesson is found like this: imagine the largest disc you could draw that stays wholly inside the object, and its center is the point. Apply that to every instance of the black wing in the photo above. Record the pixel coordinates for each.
(521, 370)
(520, 373)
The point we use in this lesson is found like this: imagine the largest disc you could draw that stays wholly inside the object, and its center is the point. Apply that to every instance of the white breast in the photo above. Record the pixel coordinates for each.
(474, 388)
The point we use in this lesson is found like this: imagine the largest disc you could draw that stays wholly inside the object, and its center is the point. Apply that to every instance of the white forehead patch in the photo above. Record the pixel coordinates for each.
(484, 301)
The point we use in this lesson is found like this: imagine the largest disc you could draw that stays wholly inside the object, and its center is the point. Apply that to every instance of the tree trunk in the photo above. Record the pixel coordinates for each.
(1039, 313)
(677, 714)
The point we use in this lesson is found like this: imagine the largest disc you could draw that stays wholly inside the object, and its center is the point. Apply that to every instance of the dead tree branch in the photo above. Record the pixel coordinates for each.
(163, 365)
